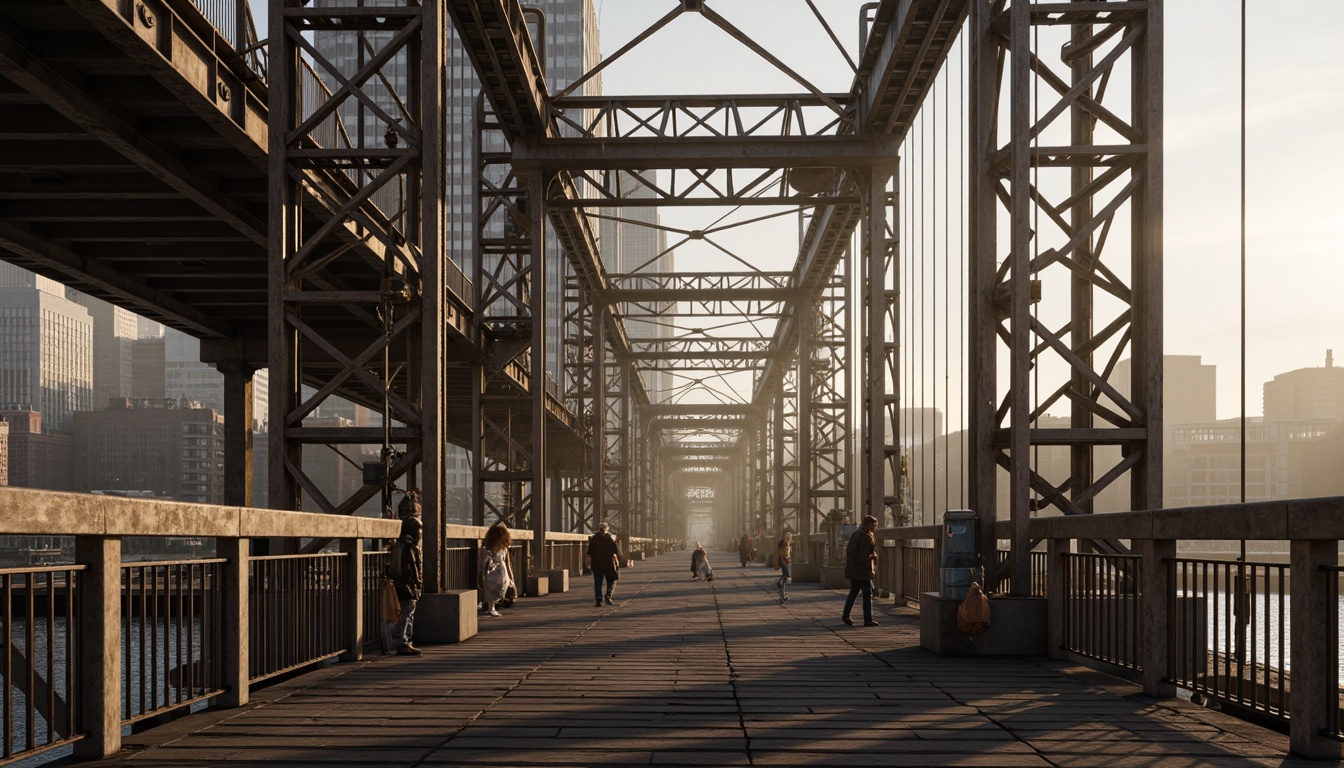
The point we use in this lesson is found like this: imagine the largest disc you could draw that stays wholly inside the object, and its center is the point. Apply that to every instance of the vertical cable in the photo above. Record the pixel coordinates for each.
(921, 309)
(964, 141)
(947, 292)
(933, 338)
(1243, 261)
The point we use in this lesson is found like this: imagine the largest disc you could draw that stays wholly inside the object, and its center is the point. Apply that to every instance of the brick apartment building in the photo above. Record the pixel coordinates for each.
(38, 459)
(174, 448)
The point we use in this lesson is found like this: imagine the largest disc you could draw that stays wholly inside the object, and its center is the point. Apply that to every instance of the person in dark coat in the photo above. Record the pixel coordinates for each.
(410, 581)
(605, 556)
(860, 569)
(745, 549)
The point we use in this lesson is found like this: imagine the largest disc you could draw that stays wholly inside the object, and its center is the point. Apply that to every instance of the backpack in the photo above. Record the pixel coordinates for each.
(396, 559)
(973, 613)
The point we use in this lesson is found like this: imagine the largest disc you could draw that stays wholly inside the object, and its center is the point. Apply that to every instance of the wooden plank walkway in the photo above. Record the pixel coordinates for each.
(680, 672)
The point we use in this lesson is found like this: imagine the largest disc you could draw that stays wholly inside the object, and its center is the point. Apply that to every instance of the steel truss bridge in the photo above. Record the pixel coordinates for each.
(158, 155)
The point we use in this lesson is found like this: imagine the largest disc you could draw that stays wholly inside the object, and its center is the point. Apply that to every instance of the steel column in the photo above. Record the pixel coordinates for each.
(881, 393)
(356, 298)
(1058, 246)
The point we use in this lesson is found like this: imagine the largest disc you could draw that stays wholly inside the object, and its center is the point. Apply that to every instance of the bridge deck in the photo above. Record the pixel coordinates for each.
(680, 672)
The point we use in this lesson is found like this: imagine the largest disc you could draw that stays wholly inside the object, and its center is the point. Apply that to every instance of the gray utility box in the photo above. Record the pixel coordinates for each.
(960, 553)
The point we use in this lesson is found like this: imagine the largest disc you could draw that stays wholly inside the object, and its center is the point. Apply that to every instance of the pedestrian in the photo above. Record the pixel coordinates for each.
(744, 549)
(783, 559)
(407, 572)
(700, 564)
(604, 555)
(860, 568)
(494, 573)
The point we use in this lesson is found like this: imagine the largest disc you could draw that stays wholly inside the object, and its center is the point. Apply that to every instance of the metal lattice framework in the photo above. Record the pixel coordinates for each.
(1078, 174)
(358, 303)
(882, 372)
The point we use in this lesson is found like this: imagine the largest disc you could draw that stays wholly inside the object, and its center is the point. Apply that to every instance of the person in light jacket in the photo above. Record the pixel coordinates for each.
(784, 559)
(860, 569)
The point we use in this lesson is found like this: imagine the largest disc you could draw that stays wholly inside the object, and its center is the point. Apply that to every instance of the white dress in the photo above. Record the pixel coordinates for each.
(495, 575)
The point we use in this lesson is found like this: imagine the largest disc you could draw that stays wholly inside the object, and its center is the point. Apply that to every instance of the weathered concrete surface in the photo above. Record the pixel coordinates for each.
(680, 672)
(558, 579)
(1017, 627)
(446, 617)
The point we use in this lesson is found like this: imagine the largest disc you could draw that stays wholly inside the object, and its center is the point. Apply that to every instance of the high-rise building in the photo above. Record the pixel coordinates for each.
(572, 48)
(631, 242)
(114, 334)
(185, 376)
(149, 375)
(1189, 388)
(46, 349)
(1307, 394)
(174, 448)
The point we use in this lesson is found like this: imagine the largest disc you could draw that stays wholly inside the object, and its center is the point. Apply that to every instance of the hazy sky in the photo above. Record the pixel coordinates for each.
(1295, 224)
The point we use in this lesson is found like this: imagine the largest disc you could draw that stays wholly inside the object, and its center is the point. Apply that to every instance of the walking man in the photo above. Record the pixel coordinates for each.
(408, 572)
(605, 556)
(860, 569)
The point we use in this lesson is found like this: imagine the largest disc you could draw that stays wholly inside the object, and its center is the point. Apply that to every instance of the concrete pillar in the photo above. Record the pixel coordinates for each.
(237, 433)
(100, 645)
(237, 660)
(1315, 651)
(1155, 638)
(353, 597)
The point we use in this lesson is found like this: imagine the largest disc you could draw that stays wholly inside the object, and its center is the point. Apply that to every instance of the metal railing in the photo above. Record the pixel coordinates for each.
(459, 565)
(41, 705)
(1332, 576)
(172, 652)
(919, 572)
(565, 554)
(232, 19)
(297, 612)
(375, 569)
(1231, 632)
(1039, 572)
(1102, 600)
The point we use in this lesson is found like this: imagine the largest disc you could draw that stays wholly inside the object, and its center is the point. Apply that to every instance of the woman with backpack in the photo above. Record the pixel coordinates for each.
(494, 576)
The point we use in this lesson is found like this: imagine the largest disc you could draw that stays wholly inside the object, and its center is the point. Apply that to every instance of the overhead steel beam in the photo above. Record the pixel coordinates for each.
(694, 152)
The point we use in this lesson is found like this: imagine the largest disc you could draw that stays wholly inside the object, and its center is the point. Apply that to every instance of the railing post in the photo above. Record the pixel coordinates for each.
(237, 653)
(1056, 594)
(1155, 615)
(1314, 638)
(100, 646)
(353, 595)
(898, 579)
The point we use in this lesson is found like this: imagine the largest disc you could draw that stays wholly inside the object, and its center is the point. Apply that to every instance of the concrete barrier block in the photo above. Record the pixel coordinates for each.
(559, 580)
(805, 572)
(833, 577)
(446, 617)
(537, 586)
(1017, 627)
